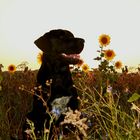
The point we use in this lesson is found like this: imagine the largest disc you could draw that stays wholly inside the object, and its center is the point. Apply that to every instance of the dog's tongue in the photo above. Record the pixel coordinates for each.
(77, 56)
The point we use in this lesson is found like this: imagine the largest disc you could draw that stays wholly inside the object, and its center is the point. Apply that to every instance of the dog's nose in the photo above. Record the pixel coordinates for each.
(81, 40)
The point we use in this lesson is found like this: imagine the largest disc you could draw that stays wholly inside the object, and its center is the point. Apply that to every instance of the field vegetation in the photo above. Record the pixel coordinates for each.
(109, 99)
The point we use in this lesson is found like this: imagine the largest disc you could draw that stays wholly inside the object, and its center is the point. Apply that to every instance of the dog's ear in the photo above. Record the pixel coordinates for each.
(43, 43)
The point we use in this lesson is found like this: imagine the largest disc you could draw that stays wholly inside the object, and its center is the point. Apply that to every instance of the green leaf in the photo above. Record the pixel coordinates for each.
(134, 97)
(102, 54)
(97, 58)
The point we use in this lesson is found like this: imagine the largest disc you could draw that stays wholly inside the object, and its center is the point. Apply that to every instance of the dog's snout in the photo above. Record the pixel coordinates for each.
(80, 40)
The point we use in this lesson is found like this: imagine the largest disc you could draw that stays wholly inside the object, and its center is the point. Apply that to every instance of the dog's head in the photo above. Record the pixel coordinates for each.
(60, 42)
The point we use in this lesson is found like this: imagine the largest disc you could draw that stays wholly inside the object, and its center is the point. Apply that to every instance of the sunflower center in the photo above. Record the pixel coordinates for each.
(117, 64)
(11, 68)
(85, 68)
(104, 40)
(109, 54)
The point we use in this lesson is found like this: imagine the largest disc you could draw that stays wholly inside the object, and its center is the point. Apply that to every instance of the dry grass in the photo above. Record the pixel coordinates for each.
(109, 114)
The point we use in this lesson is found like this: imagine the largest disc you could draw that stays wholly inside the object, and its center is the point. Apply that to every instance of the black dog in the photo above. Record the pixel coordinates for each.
(60, 48)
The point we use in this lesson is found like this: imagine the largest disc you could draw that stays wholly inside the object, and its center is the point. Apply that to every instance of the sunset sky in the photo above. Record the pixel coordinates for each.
(23, 21)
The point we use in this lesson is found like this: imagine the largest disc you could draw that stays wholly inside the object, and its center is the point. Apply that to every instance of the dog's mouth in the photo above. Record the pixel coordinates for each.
(72, 58)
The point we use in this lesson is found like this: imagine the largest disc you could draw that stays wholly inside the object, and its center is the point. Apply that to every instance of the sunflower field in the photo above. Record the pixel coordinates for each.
(109, 98)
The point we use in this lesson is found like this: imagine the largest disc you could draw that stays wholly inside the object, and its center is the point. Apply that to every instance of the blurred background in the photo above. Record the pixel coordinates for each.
(23, 21)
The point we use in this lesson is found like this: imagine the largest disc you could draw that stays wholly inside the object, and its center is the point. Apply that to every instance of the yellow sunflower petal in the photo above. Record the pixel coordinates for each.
(85, 68)
(11, 68)
(109, 54)
(39, 57)
(104, 40)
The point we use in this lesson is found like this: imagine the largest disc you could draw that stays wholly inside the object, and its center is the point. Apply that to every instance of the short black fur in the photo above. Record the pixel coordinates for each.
(60, 49)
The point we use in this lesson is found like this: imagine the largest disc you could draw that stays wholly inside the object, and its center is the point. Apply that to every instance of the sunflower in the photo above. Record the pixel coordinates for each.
(109, 54)
(118, 64)
(39, 57)
(85, 68)
(11, 68)
(104, 40)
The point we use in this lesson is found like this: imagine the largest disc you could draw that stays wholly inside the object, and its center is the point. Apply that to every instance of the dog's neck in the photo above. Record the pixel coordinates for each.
(54, 71)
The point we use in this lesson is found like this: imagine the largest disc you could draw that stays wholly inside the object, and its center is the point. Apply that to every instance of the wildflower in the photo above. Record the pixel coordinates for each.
(28, 131)
(73, 118)
(109, 89)
(89, 123)
(109, 54)
(39, 57)
(118, 64)
(104, 40)
(11, 68)
(85, 68)
(22, 87)
(35, 88)
(49, 82)
(56, 112)
(39, 87)
(59, 106)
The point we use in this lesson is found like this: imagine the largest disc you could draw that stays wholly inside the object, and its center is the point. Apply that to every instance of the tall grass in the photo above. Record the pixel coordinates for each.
(111, 119)
(109, 113)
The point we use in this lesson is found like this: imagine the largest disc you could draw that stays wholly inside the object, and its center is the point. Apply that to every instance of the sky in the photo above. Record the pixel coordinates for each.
(23, 21)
